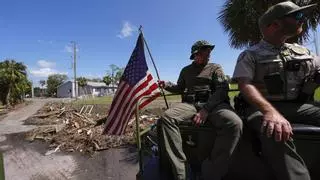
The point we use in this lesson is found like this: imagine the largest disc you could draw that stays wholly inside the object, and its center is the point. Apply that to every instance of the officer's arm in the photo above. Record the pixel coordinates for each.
(221, 87)
(253, 96)
(244, 73)
(179, 87)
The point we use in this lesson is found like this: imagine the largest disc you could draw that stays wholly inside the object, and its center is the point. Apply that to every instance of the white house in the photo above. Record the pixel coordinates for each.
(92, 88)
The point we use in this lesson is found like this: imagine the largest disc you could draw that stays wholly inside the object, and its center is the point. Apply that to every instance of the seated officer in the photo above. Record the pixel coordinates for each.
(204, 92)
(275, 79)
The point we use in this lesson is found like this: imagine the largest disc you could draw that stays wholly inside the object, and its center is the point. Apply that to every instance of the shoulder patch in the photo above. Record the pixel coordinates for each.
(299, 49)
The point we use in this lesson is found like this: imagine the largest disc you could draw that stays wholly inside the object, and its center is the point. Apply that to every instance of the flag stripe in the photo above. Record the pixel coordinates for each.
(124, 122)
(116, 97)
(144, 103)
(136, 82)
(118, 105)
(117, 102)
(116, 117)
(123, 112)
(119, 114)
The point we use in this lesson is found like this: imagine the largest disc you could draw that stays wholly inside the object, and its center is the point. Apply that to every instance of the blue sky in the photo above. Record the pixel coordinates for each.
(38, 33)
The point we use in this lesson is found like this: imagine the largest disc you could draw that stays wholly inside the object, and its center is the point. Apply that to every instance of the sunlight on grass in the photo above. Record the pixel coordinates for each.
(108, 99)
(317, 94)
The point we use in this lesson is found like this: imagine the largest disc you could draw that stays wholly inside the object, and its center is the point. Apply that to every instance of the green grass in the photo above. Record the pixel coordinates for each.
(317, 95)
(96, 100)
(108, 99)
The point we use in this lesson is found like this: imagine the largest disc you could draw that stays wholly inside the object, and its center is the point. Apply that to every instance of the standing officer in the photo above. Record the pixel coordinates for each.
(273, 76)
(204, 92)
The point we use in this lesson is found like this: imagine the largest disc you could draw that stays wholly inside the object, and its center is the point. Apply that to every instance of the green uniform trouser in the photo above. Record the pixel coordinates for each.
(282, 158)
(229, 129)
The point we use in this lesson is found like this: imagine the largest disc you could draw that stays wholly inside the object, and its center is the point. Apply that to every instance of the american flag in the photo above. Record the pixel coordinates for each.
(135, 83)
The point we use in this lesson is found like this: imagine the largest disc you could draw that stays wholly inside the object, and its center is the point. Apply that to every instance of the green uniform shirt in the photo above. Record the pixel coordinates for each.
(194, 77)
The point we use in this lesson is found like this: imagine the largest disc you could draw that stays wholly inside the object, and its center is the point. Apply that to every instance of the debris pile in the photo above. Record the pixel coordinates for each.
(66, 129)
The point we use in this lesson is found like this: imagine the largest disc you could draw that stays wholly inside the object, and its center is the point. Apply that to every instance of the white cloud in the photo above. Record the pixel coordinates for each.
(43, 72)
(44, 42)
(46, 64)
(45, 68)
(126, 30)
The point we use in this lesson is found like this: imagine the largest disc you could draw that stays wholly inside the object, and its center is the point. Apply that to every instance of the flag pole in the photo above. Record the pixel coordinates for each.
(154, 65)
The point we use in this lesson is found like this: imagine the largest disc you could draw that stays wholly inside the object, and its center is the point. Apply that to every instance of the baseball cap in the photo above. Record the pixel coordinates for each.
(282, 9)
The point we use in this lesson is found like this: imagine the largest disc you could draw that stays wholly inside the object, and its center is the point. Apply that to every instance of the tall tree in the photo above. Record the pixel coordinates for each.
(239, 19)
(53, 82)
(13, 79)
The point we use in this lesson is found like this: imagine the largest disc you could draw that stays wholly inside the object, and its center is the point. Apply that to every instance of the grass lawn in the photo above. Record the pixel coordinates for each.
(108, 99)
(317, 95)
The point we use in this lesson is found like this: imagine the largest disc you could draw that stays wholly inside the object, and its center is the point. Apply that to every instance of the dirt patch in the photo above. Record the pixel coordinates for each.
(5, 110)
(66, 128)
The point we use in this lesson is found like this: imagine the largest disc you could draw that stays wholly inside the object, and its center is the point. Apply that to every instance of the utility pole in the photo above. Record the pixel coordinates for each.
(75, 69)
(32, 90)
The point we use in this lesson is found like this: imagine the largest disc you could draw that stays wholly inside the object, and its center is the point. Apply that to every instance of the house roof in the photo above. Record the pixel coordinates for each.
(96, 84)
(89, 83)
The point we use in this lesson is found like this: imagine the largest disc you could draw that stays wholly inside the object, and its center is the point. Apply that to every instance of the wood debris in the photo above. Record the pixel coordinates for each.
(66, 129)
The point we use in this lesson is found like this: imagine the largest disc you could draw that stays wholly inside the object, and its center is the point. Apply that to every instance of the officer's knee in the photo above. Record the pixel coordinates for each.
(166, 118)
(236, 125)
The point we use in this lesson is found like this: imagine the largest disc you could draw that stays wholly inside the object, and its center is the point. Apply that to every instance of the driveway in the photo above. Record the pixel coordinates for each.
(27, 161)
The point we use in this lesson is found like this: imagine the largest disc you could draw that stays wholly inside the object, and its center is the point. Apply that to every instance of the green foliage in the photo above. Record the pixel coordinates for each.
(13, 81)
(107, 80)
(115, 75)
(118, 75)
(82, 81)
(240, 21)
(53, 82)
(317, 95)
(37, 91)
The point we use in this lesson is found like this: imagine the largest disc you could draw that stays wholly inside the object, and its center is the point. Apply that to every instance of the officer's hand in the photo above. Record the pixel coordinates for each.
(275, 124)
(200, 117)
(161, 84)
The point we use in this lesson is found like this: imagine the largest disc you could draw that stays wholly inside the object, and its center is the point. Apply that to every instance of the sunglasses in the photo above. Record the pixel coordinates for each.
(298, 16)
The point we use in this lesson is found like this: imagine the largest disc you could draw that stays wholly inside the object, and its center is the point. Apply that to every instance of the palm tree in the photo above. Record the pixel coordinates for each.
(13, 74)
(107, 79)
(42, 83)
(239, 19)
(82, 82)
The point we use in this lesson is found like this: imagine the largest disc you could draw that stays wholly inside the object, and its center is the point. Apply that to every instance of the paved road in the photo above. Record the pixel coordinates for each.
(26, 161)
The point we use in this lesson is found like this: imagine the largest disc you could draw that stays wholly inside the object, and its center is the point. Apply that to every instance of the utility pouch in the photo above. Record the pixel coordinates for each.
(293, 65)
(202, 96)
(189, 98)
(240, 105)
(274, 83)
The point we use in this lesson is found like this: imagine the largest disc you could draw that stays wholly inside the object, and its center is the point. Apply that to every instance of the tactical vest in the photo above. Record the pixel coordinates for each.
(280, 75)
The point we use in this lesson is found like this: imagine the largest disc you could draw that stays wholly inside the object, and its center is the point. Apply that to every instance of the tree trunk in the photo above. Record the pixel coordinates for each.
(7, 102)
